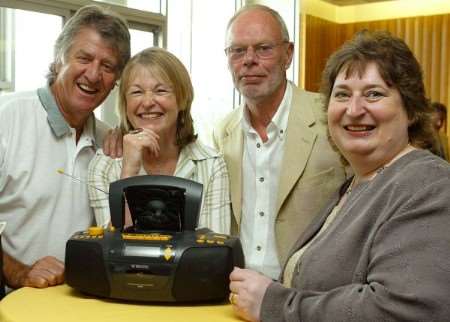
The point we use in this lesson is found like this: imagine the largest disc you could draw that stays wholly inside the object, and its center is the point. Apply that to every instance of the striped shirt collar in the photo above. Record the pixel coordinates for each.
(197, 152)
(56, 120)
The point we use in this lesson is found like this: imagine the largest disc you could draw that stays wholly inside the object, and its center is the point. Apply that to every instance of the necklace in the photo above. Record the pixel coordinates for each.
(352, 184)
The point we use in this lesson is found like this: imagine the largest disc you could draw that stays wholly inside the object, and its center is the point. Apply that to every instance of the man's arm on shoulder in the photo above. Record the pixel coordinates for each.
(109, 139)
(45, 272)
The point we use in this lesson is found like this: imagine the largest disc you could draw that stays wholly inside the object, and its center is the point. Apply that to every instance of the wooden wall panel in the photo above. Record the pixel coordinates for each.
(427, 36)
(318, 51)
(444, 84)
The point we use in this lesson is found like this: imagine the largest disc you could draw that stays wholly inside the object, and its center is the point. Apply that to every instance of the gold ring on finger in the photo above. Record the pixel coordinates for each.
(232, 298)
(136, 131)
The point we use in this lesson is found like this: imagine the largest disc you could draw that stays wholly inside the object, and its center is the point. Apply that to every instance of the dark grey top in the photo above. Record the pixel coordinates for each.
(386, 256)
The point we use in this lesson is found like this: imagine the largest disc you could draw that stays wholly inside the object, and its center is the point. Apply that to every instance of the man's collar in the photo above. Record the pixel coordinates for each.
(246, 123)
(280, 119)
(55, 119)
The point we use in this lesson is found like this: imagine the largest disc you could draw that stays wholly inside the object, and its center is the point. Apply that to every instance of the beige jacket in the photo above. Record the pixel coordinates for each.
(311, 170)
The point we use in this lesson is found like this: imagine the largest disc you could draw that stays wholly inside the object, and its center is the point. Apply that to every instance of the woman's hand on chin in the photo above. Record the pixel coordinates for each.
(134, 143)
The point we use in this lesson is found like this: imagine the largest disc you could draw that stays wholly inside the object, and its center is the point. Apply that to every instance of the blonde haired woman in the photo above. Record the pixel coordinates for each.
(155, 98)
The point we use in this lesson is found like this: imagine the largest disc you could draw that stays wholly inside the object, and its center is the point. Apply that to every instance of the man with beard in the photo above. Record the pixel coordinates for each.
(281, 166)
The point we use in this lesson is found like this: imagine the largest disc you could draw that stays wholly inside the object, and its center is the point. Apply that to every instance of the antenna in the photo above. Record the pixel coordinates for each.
(61, 171)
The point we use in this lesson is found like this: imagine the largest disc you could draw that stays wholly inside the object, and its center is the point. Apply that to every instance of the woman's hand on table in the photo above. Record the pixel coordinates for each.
(247, 291)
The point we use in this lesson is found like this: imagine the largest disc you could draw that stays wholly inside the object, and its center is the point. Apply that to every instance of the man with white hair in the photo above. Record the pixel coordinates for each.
(281, 166)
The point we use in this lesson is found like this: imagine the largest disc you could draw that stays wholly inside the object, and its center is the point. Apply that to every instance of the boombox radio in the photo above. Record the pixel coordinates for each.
(162, 257)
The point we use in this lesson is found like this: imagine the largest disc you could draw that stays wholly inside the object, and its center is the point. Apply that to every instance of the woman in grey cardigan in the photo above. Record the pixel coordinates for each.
(380, 251)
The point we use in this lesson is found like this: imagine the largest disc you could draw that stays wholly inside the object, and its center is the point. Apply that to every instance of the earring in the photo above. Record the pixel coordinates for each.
(182, 117)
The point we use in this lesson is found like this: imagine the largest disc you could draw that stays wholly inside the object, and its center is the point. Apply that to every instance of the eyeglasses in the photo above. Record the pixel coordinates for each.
(262, 51)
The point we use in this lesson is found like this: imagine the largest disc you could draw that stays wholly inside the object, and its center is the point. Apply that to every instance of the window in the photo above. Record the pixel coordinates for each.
(194, 31)
(144, 5)
(20, 72)
(6, 51)
(196, 34)
(30, 70)
(139, 40)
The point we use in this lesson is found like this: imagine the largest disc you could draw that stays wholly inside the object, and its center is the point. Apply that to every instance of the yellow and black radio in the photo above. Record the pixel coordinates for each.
(162, 257)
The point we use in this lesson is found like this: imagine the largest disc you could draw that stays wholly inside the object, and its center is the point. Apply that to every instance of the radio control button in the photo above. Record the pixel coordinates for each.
(129, 237)
(152, 237)
(168, 254)
(95, 231)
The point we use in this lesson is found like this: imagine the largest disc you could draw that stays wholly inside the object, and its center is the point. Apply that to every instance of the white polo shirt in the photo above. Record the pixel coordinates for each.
(261, 175)
(42, 208)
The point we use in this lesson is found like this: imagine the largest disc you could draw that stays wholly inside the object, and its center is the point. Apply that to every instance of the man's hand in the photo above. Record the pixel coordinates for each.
(247, 291)
(113, 143)
(45, 272)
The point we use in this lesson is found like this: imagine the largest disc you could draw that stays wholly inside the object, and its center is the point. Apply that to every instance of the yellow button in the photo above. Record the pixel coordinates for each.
(95, 231)
(210, 241)
(200, 241)
(168, 253)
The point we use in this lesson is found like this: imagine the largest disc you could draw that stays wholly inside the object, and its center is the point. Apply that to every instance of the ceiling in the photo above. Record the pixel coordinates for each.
(352, 2)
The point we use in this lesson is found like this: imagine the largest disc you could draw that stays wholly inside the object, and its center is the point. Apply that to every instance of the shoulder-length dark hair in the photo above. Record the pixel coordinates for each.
(399, 69)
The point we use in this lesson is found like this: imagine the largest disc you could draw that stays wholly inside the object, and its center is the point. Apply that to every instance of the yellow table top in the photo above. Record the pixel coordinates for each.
(62, 303)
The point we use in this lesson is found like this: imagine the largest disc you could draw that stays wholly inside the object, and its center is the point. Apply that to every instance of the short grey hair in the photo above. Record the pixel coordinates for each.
(260, 7)
(111, 27)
